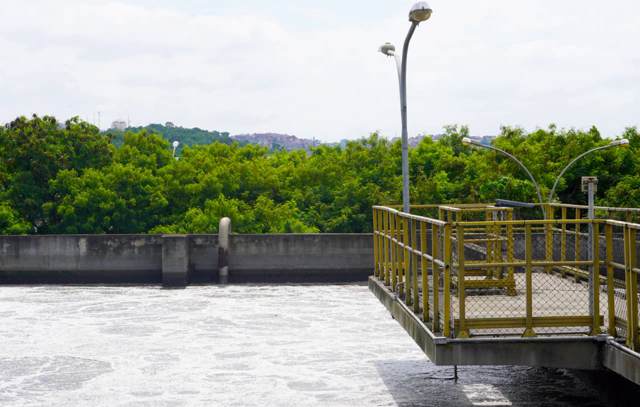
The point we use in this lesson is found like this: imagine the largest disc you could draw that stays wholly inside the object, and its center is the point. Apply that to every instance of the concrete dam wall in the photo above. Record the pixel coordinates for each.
(184, 259)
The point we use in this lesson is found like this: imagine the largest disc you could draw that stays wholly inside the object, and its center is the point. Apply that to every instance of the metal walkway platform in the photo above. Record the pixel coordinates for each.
(499, 291)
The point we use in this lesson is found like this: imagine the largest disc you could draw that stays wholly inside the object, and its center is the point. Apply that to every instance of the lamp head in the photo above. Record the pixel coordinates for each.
(420, 12)
(467, 141)
(622, 143)
(176, 144)
(387, 49)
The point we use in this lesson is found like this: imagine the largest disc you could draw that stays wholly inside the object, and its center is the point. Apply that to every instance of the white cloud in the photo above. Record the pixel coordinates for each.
(574, 63)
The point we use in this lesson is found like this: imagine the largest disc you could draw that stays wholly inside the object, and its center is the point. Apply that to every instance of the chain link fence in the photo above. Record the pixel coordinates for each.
(482, 271)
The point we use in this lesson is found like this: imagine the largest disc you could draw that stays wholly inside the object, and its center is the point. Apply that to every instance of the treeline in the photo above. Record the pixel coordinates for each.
(187, 137)
(72, 179)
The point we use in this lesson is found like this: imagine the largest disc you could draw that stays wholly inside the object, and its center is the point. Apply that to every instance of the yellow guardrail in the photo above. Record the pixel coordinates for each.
(500, 276)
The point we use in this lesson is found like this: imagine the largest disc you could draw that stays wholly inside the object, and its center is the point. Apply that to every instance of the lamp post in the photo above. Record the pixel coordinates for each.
(419, 12)
(468, 141)
(622, 143)
(175, 147)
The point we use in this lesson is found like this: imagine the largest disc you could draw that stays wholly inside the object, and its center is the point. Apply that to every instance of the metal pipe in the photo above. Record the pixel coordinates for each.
(224, 230)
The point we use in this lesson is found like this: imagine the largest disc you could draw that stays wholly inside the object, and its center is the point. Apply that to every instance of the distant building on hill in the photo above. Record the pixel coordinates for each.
(119, 125)
(275, 141)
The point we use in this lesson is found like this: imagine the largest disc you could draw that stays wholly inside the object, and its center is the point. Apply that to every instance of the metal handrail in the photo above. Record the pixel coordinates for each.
(415, 254)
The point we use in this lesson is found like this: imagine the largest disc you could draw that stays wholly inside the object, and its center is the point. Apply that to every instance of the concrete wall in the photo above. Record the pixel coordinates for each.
(80, 259)
(301, 257)
(117, 259)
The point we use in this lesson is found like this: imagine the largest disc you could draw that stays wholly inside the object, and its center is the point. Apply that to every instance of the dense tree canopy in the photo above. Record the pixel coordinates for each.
(70, 178)
(187, 137)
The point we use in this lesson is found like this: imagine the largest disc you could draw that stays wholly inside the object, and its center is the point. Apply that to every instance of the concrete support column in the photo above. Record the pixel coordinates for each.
(175, 260)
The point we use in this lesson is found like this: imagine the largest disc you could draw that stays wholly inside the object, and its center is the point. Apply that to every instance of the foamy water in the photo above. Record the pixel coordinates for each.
(237, 346)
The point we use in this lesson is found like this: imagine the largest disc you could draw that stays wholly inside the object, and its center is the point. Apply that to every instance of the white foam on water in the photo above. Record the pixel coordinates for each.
(249, 345)
(286, 345)
(485, 395)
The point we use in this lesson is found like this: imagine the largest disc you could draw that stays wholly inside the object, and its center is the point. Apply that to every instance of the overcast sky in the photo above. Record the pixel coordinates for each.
(310, 68)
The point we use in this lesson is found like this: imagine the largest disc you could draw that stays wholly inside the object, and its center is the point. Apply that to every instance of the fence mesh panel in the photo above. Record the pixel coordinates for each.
(481, 271)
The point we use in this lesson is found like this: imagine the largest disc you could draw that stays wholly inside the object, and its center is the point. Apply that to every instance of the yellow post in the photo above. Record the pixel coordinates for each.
(549, 239)
(376, 263)
(488, 230)
(563, 238)
(414, 267)
(495, 233)
(611, 301)
(529, 332)
(435, 273)
(577, 242)
(595, 329)
(400, 256)
(394, 252)
(463, 333)
(424, 269)
(381, 244)
(632, 292)
(459, 216)
(511, 290)
(447, 282)
(406, 262)
(386, 248)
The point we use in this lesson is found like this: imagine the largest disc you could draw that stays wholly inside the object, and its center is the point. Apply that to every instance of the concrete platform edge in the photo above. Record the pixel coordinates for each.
(585, 353)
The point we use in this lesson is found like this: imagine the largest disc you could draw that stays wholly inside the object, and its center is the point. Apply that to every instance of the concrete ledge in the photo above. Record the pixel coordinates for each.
(583, 353)
(175, 261)
(138, 259)
(80, 259)
(622, 361)
(300, 258)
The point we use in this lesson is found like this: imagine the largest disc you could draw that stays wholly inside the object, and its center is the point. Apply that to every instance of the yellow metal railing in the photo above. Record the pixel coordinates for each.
(499, 276)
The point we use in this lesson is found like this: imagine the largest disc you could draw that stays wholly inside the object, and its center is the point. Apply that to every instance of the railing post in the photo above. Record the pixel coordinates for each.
(631, 283)
(394, 250)
(529, 332)
(447, 281)
(435, 273)
(549, 238)
(563, 239)
(577, 243)
(595, 273)
(511, 290)
(376, 252)
(414, 266)
(381, 240)
(385, 247)
(488, 230)
(611, 304)
(463, 332)
(406, 272)
(425, 271)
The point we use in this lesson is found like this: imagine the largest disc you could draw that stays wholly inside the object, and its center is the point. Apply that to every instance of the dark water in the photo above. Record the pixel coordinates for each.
(247, 346)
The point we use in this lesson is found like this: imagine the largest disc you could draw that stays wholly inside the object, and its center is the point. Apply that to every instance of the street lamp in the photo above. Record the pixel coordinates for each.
(467, 141)
(175, 147)
(621, 143)
(419, 12)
